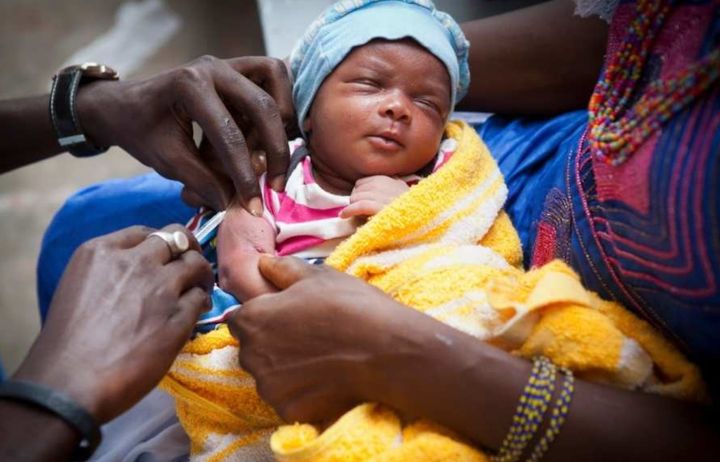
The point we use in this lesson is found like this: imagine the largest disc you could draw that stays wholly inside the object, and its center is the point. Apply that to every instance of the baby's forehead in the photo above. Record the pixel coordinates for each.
(382, 55)
(405, 45)
(347, 24)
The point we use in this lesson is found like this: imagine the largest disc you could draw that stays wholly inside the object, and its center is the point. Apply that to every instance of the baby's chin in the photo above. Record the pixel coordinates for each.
(401, 164)
(355, 164)
(376, 168)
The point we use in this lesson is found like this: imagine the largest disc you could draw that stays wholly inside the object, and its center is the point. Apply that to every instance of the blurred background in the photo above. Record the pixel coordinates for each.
(138, 38)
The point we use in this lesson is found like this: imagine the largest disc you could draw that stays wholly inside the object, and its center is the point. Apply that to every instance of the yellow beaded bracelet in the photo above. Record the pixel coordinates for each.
(530, 411)
(557, 417)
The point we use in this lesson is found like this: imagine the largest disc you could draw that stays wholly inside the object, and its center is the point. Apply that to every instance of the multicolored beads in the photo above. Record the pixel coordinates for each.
(617, 126)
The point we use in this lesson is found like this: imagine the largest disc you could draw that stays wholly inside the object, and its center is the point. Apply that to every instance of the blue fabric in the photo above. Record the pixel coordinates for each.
(532, 155)
(538, 158)
(348, 24)
(100, 209)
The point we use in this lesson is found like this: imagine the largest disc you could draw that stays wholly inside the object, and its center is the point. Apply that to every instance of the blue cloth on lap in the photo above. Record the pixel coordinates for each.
(99, 209)
(531, 154)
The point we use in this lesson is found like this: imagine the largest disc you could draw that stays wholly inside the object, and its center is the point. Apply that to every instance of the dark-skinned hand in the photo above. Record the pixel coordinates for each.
(243, 106)
(119, 317)
(316, 348)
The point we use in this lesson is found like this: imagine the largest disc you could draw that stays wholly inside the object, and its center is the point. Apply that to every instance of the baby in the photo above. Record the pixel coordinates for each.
(375, 82)
(373, 96)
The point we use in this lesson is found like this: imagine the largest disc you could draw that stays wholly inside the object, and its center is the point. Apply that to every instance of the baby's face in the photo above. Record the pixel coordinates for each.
(381, 112)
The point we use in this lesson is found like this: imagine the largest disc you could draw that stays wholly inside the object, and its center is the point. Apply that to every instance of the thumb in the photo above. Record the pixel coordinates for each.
(283, 272)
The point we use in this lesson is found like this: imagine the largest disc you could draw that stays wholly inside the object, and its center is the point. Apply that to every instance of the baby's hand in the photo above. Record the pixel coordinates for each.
(372, 194)
(241, 239)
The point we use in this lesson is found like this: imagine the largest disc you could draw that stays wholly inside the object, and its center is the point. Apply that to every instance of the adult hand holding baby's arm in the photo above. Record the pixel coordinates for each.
(242, 238)
(371, 194)
(328, 341)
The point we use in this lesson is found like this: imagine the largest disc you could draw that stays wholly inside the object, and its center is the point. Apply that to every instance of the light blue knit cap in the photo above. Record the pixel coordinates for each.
(351, 23)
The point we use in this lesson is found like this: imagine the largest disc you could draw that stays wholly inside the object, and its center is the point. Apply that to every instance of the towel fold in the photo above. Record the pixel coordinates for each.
(447, 249)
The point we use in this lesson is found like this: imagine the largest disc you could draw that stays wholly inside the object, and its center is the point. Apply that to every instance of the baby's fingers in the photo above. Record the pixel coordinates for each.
(362, 208)
(372, 196)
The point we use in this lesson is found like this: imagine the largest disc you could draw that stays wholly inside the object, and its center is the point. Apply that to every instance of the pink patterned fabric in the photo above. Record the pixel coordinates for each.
(305, 216)
(647, 232)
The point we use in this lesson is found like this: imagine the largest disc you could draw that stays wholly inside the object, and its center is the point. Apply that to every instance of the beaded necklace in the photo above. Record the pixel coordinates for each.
(616, 129)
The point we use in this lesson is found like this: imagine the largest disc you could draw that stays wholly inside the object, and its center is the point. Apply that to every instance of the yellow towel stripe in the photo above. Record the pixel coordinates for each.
(447, 249)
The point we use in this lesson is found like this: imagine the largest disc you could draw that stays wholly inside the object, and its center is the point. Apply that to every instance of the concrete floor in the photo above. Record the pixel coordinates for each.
(140, 38)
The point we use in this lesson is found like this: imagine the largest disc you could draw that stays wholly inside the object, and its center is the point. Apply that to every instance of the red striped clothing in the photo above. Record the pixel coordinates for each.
(305, 217)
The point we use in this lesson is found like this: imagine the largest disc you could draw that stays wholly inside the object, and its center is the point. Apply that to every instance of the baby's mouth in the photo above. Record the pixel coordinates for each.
(385, 143)
(387, 138)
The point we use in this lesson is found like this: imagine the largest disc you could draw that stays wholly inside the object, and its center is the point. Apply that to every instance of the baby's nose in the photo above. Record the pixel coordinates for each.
(397, 107)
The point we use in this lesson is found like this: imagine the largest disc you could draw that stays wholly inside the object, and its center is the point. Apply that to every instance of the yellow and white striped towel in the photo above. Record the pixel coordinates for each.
(445, 248)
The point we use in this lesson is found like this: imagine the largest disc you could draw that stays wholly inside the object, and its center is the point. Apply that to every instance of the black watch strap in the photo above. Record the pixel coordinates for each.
(60, 405)
(63, 111)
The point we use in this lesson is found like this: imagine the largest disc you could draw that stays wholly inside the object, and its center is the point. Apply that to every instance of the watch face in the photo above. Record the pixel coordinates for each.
(98, 71)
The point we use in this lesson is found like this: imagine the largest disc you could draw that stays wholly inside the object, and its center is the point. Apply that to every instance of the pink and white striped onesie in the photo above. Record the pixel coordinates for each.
(305, 217)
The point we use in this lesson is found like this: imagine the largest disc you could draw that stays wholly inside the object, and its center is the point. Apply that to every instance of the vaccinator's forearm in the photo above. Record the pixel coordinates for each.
(26, 132)
(539, 60)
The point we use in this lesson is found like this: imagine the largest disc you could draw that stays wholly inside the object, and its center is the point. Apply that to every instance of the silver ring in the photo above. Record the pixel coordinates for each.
(177, 242)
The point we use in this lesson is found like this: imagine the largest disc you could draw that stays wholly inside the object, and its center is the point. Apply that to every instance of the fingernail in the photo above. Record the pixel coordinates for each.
(278, 182)
(255, 206)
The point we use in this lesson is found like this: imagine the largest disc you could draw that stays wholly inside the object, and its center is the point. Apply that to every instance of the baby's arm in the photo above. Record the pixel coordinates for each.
(371, 194)
(242, 238)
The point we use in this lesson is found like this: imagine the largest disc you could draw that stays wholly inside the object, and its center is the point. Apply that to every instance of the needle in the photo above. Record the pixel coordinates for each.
(205, 231)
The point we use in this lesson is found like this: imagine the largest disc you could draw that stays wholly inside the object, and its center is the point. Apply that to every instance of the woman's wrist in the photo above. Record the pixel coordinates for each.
(435, 371)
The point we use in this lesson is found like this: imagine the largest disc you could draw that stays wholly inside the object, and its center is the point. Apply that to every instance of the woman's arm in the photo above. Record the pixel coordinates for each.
(537, 60)
(242, 238)
(152, 120)
(366, 347)
(474, 389)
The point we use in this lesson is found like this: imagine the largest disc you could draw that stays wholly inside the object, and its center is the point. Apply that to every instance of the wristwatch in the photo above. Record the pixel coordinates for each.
(63, 111)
